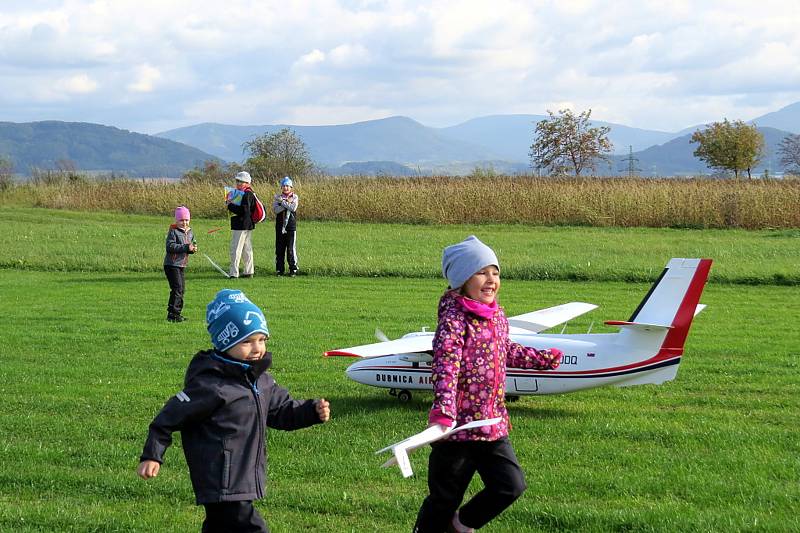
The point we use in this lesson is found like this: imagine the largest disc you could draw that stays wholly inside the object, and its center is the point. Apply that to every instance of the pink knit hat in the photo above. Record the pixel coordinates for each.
(182, 212)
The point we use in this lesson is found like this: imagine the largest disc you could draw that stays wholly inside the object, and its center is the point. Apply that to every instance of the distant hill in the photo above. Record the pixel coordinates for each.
(675, 158)
(92, 147)
(402, 140)
(499, 143)
(372, 168)
(389, 146)
(787, 119)
(398, 139)
(511, 136)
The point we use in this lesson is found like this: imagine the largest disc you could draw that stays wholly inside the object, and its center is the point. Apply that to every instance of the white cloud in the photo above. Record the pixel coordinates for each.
(650, 63)
(146, 78)
(349, 55)
(313, 57)
(77, 84)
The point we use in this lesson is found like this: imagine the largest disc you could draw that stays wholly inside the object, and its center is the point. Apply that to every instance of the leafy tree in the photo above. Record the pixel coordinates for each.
(726, 145)
(568, 142)
(279, 154)
(789, 150)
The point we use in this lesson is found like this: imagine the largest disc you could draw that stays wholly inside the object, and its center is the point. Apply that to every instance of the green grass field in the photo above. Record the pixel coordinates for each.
(88, 359)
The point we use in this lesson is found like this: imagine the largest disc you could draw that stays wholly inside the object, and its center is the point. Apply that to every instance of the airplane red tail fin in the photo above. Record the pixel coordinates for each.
(673, 299)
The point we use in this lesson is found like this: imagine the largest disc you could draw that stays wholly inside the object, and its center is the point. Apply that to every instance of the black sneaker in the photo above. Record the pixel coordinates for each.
(246, 276)
(279, 273)
(293, 273)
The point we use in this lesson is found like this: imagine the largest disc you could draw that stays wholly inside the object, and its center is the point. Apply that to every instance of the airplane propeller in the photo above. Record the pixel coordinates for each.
(380, 335)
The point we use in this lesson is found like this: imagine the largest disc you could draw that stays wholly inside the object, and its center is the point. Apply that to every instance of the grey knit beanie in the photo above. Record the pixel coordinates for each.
(460, 261)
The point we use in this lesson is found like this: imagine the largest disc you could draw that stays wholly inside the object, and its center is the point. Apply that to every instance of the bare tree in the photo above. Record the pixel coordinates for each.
(789, 150)
(726, 145)
(568, 142)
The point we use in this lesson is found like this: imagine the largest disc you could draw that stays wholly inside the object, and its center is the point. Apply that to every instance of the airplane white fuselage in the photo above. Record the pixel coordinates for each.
(647, 349)
(589, 361)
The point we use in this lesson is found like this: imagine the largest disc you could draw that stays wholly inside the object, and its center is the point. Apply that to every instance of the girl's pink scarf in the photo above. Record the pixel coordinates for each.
(475, 307)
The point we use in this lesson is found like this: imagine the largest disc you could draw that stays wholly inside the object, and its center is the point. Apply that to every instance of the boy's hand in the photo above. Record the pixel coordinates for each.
(323, 410)
(148, 469)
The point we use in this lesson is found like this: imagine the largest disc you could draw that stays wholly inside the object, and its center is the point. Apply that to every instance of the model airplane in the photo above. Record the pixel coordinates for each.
(647, 349)
(400, 450)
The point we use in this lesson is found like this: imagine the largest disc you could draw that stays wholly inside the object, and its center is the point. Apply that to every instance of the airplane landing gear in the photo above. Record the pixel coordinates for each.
(403, 395)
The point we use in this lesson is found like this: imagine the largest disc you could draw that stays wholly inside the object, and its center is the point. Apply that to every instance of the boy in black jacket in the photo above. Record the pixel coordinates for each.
(242, 226)
(223, 412)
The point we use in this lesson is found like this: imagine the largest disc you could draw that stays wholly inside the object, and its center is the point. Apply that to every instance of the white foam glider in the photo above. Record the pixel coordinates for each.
(400, 450)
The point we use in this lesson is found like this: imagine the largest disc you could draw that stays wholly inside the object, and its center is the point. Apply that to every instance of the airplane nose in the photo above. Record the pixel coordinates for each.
(353, 373)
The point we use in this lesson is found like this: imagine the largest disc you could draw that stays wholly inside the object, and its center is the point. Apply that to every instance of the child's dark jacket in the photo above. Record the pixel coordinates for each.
(178, 242)
(242, 219)
(223, 413)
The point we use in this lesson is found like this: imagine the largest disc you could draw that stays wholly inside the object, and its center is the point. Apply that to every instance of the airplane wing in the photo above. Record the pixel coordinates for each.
(400, 450)
(543, 319)
(410, 344)
(535, 322)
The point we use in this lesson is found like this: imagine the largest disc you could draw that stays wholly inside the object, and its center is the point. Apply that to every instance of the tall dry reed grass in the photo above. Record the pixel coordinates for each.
(621, 202)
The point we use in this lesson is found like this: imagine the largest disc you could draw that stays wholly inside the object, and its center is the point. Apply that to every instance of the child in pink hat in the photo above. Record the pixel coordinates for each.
(180, 243)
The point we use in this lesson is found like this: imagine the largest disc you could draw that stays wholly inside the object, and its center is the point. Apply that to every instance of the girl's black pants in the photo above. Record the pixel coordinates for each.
(450, 469)
(177, 283)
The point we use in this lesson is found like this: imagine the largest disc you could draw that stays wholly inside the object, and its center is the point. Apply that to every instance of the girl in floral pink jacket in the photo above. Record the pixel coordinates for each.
(471, 349)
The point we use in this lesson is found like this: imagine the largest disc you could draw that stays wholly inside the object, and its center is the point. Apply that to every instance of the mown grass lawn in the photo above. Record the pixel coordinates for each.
(48, 239)
(88, 359)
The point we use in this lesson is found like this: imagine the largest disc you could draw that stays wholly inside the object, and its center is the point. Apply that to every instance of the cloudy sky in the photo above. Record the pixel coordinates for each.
(149, 66)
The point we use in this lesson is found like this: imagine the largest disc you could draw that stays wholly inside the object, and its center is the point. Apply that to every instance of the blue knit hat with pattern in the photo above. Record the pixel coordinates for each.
(287, 181)
(231, 317)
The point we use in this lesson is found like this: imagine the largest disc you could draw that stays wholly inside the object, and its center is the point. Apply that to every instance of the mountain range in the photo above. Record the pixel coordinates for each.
(390, 146)
(403, 140)
(91, 147)
(499, 142)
